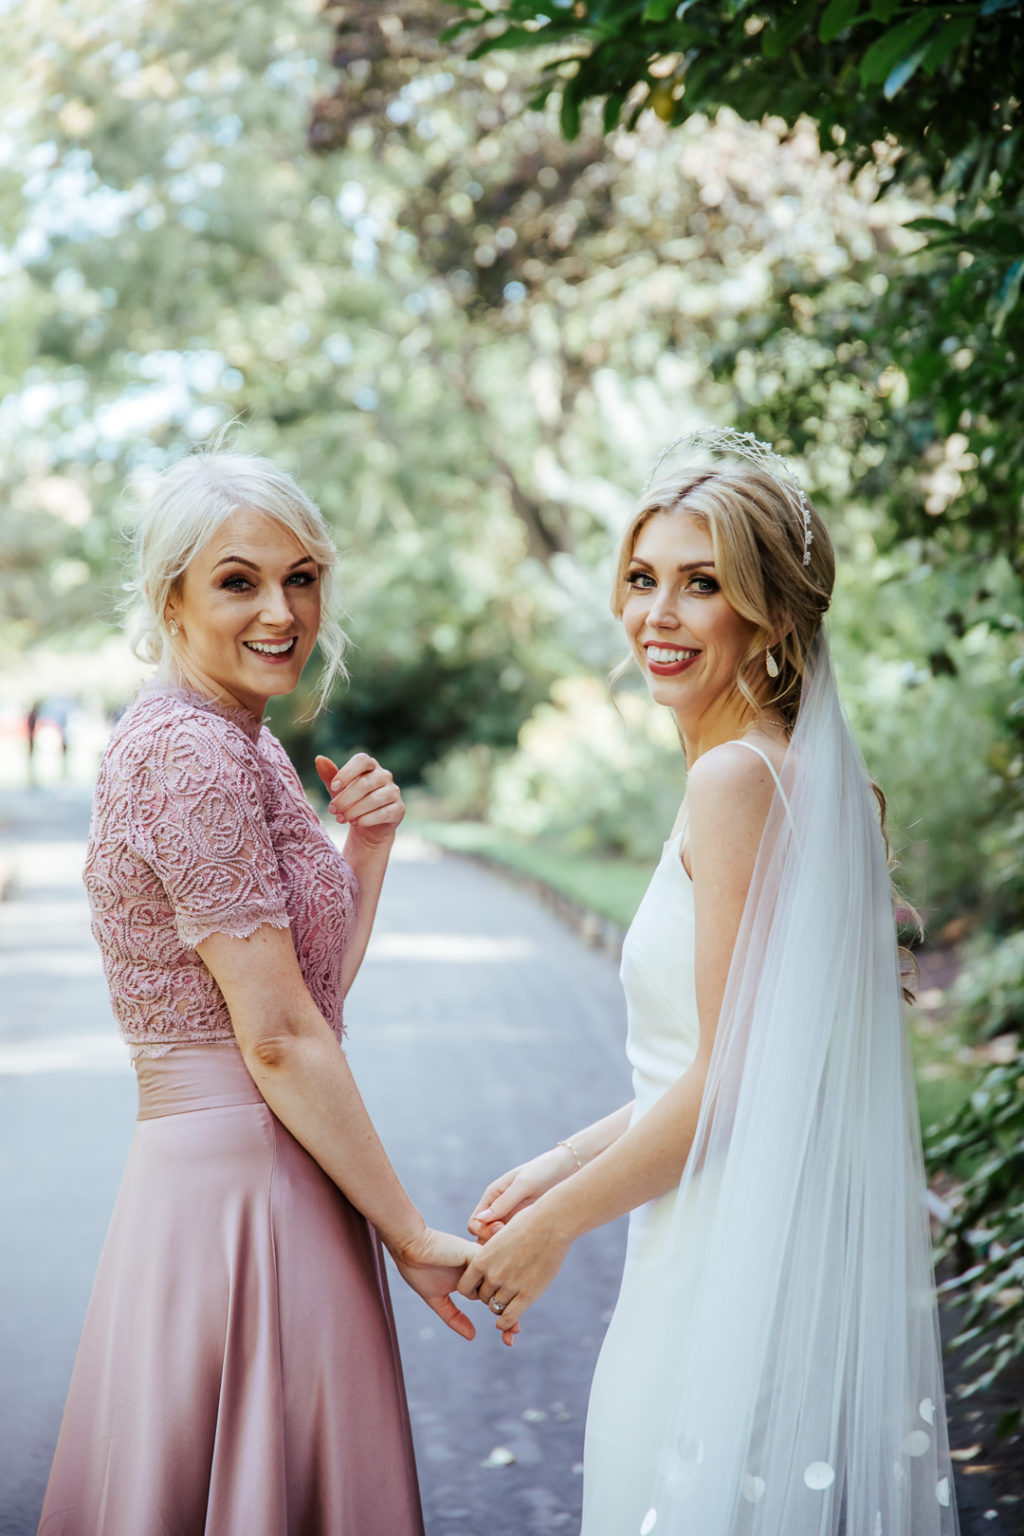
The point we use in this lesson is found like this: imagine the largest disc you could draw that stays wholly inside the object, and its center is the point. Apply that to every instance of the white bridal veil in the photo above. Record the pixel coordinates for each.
(807, 1397)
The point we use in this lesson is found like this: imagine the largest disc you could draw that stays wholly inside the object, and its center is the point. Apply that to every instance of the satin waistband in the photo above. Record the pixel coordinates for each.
(189, 1077)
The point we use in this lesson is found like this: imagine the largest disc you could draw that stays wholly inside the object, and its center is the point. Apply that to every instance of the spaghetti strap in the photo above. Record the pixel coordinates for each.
(765, 758)
(771, 769)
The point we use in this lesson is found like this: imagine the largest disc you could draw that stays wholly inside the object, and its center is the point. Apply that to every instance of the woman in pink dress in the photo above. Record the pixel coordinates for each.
(238, 1373)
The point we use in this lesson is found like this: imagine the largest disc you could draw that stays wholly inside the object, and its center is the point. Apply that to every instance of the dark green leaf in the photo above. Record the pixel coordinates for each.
(946, 41)
(884, 54)
(467, 24)
(903, 72)
(928, 226)
(658, 10)
(783, 32)
(612, 110)
(1009, 296)
(513, 37)
(884, 10)
(696, 78)
(838, 16)
(1001, 237)
(569, 117)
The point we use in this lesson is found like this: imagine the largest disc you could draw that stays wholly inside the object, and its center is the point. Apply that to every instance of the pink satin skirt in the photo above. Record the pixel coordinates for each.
(238, 1373)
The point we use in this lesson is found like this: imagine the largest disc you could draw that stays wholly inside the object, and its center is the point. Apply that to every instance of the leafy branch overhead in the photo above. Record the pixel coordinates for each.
(926, 95)
(845, 63)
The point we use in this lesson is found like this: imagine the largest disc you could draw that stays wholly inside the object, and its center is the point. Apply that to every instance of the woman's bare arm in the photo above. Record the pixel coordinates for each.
(302, 1073)
(366, 799)
(729, 793)
(519, 1187)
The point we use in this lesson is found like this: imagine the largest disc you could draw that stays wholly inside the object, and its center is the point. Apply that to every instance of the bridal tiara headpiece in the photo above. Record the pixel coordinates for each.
(742, 445)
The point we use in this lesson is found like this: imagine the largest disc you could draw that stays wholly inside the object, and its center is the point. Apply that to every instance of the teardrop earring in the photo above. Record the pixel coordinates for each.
(771, 666)
(173, 627)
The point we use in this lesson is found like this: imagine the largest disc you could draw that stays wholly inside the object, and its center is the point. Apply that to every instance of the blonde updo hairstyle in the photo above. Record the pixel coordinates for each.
(181, 512)
(757, 532)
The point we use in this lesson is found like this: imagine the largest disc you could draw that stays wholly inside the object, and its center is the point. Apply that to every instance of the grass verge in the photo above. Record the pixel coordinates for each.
(611, 887)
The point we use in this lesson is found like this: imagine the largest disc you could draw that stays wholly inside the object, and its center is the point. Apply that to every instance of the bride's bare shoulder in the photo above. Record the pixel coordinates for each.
(732, 768)
(729, 791)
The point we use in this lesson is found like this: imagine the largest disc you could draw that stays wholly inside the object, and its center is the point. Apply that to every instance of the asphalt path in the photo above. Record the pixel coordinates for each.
(480, 1030)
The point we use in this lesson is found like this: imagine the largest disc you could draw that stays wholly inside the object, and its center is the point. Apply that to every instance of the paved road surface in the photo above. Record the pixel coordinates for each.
(481, 1030)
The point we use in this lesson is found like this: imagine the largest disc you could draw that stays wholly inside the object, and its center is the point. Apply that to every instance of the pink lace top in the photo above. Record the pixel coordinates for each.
(200, 826)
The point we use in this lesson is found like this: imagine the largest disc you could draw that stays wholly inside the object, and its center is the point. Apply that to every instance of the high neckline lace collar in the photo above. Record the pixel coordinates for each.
(236, 713)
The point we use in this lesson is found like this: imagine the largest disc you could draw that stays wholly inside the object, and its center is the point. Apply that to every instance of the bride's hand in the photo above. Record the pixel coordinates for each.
(517, 1189)
(433, 1264)
(515, 1266)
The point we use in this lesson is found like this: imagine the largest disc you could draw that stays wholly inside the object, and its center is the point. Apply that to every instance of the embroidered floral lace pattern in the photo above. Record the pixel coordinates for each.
(200, 826)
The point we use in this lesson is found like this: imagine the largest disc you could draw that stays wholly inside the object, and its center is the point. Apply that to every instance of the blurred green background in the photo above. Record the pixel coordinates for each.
(464, 287)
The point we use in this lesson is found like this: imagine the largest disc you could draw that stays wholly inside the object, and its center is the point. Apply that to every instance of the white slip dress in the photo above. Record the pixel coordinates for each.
(636, 1369)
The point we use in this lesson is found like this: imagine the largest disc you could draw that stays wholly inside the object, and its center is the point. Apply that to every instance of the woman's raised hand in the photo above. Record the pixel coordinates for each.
(364, 797)
(433, 1264)
(517, 1189)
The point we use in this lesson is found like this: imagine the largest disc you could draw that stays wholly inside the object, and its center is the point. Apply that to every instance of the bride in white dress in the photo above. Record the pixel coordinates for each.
(772, 1367)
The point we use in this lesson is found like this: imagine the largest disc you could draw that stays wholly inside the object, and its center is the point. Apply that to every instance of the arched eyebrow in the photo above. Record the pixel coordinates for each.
(690, 565)
(241, 560)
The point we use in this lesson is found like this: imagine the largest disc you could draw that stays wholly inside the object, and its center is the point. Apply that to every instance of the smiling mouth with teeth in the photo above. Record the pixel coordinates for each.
(668, 656)
(270, 647)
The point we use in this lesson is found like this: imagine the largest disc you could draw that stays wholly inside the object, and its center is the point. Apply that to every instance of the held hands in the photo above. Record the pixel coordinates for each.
(513, 1270)
(433, 1264)
(364, 797)
(515, 1266)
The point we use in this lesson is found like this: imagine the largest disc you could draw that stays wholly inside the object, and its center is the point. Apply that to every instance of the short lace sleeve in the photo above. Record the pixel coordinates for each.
(195, 813)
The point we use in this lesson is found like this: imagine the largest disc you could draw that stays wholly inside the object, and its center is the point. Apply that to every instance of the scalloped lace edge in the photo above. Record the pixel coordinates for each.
(240, 927)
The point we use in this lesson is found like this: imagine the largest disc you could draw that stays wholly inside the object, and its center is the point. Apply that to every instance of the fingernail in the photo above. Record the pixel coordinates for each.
(484, 1215)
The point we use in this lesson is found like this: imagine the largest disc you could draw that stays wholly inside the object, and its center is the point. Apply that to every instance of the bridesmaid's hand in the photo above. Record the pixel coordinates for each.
(364, 797)
(433, 1264)
(517, 1189)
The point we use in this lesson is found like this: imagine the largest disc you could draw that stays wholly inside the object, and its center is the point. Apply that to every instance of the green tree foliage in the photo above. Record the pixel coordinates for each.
(921, 91)
(177, 257)
(463, 334)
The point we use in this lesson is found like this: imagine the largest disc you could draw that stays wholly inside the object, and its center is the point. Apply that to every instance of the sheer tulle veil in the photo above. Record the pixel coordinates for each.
(808, 1395)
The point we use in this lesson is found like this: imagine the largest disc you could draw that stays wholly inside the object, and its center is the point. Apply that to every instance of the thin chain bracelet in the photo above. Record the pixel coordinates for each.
(570, 1148)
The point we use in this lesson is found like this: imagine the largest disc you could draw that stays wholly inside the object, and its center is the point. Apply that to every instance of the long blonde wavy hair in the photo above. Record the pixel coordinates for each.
(759, 544)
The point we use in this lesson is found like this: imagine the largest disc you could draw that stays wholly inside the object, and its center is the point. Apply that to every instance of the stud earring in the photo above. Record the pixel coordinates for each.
(771, 666)
(173, 626)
